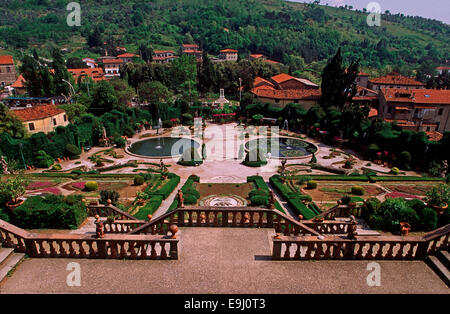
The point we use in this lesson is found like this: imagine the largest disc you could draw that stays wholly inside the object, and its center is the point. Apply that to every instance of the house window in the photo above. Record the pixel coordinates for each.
(277, 101)
(65, 118)
(54, 121)
(441, 111)
(428, 129)
(31, 126)
(8, 69)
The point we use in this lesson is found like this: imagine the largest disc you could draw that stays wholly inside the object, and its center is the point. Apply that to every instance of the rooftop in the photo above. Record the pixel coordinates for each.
(37, 112)
(288, 93)
(396, 79)
(6, 60)
(417, 96)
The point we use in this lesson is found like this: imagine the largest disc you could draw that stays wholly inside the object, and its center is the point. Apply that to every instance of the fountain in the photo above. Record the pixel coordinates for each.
(159, 126)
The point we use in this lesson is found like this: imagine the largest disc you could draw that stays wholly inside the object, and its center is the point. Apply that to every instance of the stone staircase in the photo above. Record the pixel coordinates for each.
(440, 264)
(8, 261)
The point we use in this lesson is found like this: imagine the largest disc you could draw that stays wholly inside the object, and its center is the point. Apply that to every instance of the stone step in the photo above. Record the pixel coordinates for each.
(4, 254)
(439, 268)
(9, 264)
(444, 257)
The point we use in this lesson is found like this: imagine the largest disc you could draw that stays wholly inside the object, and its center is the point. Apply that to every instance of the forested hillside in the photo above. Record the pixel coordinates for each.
(302, 36)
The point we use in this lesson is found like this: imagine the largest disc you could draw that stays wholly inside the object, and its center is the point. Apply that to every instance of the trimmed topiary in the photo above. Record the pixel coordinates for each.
(358, 190)
(72, 150)
(106, 195)
(91, 186)
(395, 171)
(138, 180)
(311, 185)
(190, 157)
(43, 160)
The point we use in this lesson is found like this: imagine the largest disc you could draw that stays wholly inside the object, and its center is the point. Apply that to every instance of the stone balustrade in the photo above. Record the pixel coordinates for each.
(360, 248)
(239, 217)
(108, 211)
(122, 226)
(111, 246)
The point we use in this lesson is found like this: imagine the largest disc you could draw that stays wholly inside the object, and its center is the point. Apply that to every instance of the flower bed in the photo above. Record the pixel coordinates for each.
(402, 195)
(40, 185)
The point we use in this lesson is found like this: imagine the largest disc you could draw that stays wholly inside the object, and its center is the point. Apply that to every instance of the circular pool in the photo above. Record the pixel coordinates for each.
(162, 147)
(283, 147)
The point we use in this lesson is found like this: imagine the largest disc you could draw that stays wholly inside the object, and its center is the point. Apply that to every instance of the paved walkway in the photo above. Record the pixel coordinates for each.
(222, 260)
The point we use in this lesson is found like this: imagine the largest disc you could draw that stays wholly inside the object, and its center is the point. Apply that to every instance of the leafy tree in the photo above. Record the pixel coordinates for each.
(153, 92)
(103, 99)
(73, 110)
(10, 123)
(61, 76)
(338, 83)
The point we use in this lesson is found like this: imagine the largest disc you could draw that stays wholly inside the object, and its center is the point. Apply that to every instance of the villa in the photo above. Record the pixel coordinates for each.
(7, 71)
(42, 118)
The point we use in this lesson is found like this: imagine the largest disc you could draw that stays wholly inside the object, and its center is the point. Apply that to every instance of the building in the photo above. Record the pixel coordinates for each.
(442, 69)
(365, 96)
(258, 56)
(228, 55)
(96, 74)
(163, 56)
(280, 98)
(362, 79)
(42, 118)
(192, 50)
(19, 86)
(111, 67)
(90, 62)
(127, 57)
(286, 81)
(7, 71)
(425, 110)
(394, 80)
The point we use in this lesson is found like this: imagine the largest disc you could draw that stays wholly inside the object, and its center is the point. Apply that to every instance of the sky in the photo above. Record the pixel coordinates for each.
(435, 9)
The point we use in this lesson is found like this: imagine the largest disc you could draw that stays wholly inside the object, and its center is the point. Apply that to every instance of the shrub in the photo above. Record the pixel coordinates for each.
(91, 186)
(439, 195)
(138, 180)
(391, 212)
(255, 158)
(120, 142)
(428, 219)
(56, 167)
(72, 150)
(348, 164)
(192, 191)
(50, 212)
(395, 171)
(405, 160)
(43, 160)
(149, 208)
(106, 195)
(190, 199)
(303, 179)
(358, 190)
(190, 157)
(311, 185)
(167, 124)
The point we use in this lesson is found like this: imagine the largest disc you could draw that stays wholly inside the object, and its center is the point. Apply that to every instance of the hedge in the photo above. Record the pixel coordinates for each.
(149, 208)
(50, 212)
(167, 189)
(293, 199)
(187, 186)
(365, 178)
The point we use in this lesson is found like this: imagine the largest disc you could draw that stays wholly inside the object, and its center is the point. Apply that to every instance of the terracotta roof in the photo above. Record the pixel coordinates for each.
(127, 55)
(162, 51)
(190, 45)
(94, 73)
(256, 56)
(417, 96)
(362, 74)
(396, 79)
(259, 80)
(6, 60)
(401, 108)
(283, 77)
(443, 68)
(19, 83)
(435, 136)
(271, 61)
(112, 61)
(288, 93)
(229, 50)
(37, 112)
(373, 112)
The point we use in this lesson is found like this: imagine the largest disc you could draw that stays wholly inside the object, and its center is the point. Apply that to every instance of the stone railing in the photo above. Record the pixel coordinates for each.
(329, 226)
(122, 226)
(111, 246)
(240, 217)
(108, 211)
(360, 248)
(341, 211)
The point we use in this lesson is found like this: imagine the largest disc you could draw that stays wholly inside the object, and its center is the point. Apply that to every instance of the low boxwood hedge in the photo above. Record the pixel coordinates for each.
(149, 208)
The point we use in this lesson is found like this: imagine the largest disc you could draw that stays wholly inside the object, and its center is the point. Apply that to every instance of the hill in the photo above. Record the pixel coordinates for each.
(301, 36)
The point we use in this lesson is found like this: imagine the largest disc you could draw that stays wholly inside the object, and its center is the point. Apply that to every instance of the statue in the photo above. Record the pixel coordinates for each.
(99, 230)
(271, 200)
(352, 228)
(4, 165)
(180, 199)
(283, 167)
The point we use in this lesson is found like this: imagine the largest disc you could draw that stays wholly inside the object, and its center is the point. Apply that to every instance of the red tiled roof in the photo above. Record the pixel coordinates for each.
(162, 51)
(283, 77)
(256, 56)
(373, 113)
(271, 61)
(94, 73)
(435, 136)
(288, 93)
(443, 68)
(127, 55)
(37, 112)
(396, 79)
(19, 83)
(362, 74)
(6, 60)
(417, 96)
(259, 80)
(401, 122)
(112, 61)
(229, 50)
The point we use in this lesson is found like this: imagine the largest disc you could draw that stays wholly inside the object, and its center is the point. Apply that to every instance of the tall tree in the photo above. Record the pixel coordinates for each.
(103, 99)
(206, 77)
(61, 77)
(338, 83)
(10, 123)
